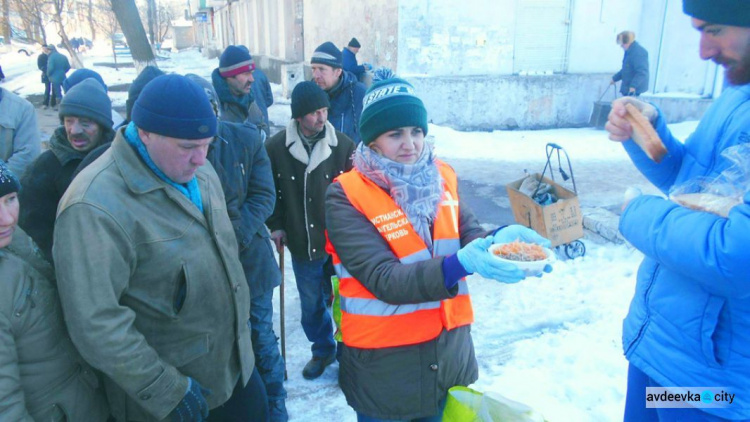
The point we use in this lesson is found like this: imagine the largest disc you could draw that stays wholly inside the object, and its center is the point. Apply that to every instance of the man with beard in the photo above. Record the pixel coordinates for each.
(305, 158)
(688, 321)
(345, 93)
(86, 123)
(232, 81)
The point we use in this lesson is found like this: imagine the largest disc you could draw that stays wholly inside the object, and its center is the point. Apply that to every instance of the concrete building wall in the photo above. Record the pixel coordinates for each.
(375, 23)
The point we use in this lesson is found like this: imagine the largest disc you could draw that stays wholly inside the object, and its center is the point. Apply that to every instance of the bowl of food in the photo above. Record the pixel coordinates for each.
(529, 257)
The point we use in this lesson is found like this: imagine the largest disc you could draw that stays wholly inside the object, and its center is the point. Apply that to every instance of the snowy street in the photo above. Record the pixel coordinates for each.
(553, 343)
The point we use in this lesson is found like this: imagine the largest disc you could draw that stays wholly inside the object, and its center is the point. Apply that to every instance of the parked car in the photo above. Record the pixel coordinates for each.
(118, 39)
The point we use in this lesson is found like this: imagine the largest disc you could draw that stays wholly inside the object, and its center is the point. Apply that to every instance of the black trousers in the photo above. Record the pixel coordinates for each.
(247, 404)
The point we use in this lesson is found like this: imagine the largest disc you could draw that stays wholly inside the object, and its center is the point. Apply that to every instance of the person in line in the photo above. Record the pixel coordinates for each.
(148, 268)
(82, 74)
(20, 141)
(41, 64)
(262, 93)
(85, 124)
(402, 243)
(688, 321)
(42, 376)
(305, 157)
(634, 72)
(349, 60)
(241, 162)
(345, 92)
(233, 80)
(57, 67)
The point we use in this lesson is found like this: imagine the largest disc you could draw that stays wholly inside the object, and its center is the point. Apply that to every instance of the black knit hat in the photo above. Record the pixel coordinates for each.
(327, 54)
(354, 43)
(174, 106)
(722, 12)
(307, 97)
(88, 99)
(8, 181)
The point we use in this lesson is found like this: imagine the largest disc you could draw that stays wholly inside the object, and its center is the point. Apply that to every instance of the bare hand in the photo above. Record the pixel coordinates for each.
(279, 239)
(618, 127)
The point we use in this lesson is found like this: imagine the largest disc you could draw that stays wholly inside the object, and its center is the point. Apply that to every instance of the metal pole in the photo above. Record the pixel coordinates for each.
(281, 311)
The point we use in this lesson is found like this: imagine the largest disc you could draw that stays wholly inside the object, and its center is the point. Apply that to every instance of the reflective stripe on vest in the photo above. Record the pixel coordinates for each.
(366, 321)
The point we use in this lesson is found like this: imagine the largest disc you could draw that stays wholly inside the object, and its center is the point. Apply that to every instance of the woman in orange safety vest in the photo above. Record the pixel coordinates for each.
(402, 244)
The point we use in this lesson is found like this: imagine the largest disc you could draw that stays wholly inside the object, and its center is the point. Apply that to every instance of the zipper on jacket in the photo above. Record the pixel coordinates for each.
(27, 300)
(242, 167)
(646, 309)
(307, 222)
(342, 122)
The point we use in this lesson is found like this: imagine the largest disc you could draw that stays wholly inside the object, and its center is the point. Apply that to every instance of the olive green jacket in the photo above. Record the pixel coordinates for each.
(152, 289)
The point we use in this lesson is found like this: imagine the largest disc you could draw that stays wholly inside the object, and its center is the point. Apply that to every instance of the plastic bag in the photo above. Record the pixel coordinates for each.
(720, 194)
(467, 405)
(542, 193)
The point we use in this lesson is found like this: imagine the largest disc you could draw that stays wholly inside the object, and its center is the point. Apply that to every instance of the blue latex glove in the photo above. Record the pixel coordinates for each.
(367, 66)
(475, 258)
(193, 407)
(517, 232)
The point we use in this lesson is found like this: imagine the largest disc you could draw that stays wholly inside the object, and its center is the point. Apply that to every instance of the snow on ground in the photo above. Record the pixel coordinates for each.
(551, 342)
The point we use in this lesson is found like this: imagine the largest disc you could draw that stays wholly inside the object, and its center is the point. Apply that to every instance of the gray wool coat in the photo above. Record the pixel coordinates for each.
(42, 376)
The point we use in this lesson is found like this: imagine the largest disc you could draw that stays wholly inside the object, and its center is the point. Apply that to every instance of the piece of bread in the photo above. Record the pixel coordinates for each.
(644, 134)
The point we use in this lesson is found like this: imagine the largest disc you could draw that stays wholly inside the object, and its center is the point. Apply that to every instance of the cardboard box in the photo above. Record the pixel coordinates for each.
(561, 222)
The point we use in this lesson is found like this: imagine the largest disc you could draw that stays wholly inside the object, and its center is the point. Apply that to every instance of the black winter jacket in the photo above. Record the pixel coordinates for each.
(241, 161)
(43, 184)
(301, 187)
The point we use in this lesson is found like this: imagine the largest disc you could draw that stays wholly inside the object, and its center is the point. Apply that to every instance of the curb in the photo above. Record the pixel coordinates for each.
(604, 223)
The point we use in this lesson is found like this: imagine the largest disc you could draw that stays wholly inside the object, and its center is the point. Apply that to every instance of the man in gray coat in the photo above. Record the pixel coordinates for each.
(20, 142)
(150, 282)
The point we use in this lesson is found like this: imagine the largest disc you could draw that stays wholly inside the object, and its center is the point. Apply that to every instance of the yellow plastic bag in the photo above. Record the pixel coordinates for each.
(467, 405)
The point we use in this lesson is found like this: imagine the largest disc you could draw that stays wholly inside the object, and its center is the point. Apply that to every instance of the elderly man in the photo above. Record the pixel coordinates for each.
(634, 72)
(232, 81)
(304, 160)
(345, 93)
(86, 123)
(688, 321)
(20, 141)
(147, 264)
(349, 59)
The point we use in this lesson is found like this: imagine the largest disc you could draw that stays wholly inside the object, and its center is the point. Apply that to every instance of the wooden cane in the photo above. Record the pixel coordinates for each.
(281, 311)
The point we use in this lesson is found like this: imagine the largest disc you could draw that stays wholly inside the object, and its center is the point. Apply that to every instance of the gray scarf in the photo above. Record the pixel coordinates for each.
(416, 188)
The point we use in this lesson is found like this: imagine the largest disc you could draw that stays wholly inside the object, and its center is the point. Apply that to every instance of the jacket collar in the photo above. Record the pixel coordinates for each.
(225, 94)
(60, 146)
(140, 179)
(321, 150)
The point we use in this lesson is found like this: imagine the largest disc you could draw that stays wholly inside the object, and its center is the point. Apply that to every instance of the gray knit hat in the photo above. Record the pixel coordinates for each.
(327, 54)
(88, 99)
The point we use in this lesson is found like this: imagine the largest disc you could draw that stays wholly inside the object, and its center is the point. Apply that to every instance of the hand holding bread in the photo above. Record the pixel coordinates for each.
(631, 118)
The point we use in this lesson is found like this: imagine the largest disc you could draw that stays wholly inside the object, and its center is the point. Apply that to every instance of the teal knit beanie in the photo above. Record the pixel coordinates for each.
(390, 104)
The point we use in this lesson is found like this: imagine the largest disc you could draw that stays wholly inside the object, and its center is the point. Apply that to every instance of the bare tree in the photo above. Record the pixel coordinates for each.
(57, 17)
(92, 26)
(132, 26)
(32, 14)
(164, 22)
(152, 23)
(6, 20)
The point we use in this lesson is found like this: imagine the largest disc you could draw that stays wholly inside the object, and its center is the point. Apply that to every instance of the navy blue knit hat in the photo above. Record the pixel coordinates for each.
(327, 54)
(8, 181)
(147, 75)
(74, 78)
(88, 99)
(307, 97)
(235, 60)
(173, 105)
(722, 12)
(390, 104)
(354, 43)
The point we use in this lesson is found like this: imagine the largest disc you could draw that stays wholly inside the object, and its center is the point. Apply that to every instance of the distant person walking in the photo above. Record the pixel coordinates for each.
(57, 68)
(41, 63)
(349, 60)
(634, 72)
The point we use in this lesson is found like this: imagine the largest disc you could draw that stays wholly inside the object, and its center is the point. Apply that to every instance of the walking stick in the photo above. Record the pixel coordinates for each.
(281, 299)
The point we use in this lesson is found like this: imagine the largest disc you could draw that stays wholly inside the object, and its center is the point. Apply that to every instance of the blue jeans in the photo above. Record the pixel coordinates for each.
(248, 403)
(635, 404)
(268, 360)
(434, 418)
(316, 319)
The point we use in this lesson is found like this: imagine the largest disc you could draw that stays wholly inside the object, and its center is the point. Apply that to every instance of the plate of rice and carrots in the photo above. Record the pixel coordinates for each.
(529, 257)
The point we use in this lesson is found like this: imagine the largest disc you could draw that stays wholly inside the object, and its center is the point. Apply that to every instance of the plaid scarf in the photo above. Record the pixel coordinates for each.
(416, 188)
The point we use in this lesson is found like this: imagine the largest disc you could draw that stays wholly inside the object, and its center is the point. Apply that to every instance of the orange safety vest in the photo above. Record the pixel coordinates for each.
(366, 321)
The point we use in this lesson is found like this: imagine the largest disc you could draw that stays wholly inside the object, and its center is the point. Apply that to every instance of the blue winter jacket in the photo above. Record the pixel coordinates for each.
(262, 93)
(346, 106)
(349, 63)
(689, 321)
(57, 66)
